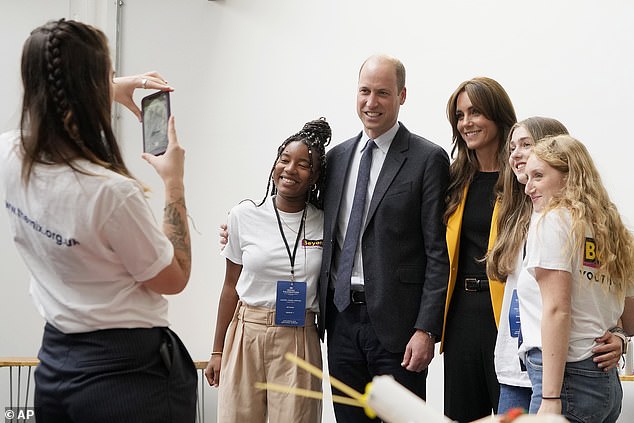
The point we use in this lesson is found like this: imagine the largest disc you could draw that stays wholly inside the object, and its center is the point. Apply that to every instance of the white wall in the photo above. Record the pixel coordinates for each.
(248, 73)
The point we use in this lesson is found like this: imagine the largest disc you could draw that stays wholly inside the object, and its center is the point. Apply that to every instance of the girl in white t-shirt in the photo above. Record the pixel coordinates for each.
(504, 262)
(269, 299)
(572, 286)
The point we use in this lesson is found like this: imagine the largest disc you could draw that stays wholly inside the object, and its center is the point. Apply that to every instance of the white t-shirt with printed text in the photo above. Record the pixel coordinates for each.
(88, 240)
(594, 310)
(507, 363)
(255, 242)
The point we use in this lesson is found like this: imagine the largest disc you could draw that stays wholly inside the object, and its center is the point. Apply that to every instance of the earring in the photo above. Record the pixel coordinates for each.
(314, 188)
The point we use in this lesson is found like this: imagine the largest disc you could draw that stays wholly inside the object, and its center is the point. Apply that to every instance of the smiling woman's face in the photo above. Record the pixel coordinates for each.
(477, 131)
(293, 175)
(544, 182)
(520, 147)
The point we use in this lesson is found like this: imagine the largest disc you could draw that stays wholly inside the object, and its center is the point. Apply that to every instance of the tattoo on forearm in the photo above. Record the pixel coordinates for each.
(178, 232)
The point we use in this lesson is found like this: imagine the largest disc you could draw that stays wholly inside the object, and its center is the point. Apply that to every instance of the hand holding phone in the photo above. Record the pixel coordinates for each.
(156, 112)
(171, 165)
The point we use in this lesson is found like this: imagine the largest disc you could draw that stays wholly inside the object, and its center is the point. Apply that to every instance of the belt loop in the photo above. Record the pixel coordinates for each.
(239, 312)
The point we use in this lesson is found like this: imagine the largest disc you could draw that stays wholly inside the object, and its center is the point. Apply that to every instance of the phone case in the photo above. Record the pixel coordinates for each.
(155, 110)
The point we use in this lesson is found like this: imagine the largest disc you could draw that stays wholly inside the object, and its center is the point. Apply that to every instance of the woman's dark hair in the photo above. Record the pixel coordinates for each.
(316, 135)
(66, 107)
(490, 98)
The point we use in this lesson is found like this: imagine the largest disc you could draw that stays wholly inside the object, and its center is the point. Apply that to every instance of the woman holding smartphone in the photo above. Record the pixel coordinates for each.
(99, 263)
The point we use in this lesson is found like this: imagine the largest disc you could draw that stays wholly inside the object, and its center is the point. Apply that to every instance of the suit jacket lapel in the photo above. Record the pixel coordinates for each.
(337, 175)
(396, 156)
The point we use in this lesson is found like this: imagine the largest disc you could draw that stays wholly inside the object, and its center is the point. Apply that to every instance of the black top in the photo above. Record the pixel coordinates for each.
(476, 224)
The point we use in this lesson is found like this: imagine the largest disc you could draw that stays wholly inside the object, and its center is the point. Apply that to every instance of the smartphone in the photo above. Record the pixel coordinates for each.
(155, 109)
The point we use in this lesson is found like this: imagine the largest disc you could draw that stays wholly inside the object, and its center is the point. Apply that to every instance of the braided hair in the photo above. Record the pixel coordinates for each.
(66, 107)
(316, 135)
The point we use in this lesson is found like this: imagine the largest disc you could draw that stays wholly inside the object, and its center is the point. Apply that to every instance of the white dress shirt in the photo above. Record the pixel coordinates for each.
(383, 143)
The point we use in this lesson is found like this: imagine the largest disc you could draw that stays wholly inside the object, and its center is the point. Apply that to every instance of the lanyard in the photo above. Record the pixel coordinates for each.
(299, 234)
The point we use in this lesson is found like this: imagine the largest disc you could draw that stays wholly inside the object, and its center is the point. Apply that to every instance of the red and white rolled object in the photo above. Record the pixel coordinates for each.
(394, 403)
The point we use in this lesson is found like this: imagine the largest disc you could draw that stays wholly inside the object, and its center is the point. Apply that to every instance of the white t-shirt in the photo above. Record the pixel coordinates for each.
(507, 363)
(593, 310)
(87, 241)
(255, 243)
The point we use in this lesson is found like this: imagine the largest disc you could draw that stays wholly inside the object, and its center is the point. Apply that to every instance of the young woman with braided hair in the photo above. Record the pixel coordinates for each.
(99, 263)
(269, 299)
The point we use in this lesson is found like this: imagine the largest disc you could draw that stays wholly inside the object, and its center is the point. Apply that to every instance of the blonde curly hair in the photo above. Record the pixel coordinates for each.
(588, 202)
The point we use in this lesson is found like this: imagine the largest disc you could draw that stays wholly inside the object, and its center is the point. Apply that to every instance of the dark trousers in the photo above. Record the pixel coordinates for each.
(472, 390)
(114, 375)
(355, 356)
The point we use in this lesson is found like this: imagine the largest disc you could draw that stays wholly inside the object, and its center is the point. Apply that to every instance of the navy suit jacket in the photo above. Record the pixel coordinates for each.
(405, 261)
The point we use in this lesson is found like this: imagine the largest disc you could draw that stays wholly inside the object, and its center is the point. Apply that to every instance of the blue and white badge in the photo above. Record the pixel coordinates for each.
(514, 315)
(290, 305)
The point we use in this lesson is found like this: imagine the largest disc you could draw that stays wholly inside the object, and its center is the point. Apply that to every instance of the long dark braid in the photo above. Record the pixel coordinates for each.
(316, 135)
(55, 78)
(66, 108)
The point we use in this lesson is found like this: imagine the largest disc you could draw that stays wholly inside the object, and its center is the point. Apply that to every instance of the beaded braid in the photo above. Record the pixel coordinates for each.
(316, 135)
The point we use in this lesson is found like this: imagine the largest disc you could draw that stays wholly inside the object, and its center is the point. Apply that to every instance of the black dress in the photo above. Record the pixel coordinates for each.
(471, 387)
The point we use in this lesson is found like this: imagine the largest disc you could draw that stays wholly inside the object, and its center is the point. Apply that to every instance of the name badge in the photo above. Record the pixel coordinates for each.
(514, 315)
(290, 304)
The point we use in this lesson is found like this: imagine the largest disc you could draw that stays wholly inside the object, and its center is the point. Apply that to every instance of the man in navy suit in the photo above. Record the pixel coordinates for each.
(399, 277)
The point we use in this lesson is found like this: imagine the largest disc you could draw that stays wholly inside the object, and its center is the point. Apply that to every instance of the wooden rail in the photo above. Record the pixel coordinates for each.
(32, 361)
(20, 386)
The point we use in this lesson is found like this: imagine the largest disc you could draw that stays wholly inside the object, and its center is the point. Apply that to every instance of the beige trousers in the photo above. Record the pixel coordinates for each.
(254, 352)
